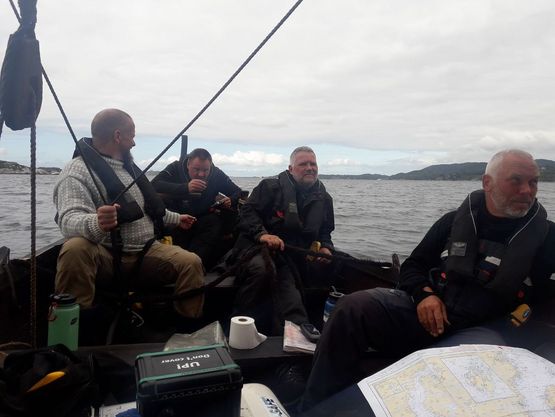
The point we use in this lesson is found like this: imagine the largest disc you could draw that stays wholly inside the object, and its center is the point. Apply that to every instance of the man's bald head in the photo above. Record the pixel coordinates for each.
(107, 121)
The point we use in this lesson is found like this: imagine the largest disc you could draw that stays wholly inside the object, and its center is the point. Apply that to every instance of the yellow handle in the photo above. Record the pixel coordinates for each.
(167, 240)
(314, 247)
(51, 377)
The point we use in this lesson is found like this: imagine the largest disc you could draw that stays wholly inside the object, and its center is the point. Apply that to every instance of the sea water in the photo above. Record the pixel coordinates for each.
(373, 218)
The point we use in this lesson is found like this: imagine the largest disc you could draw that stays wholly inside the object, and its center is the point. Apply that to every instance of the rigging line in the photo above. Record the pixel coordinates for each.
(63, 113)
(33, 280)
(220, 91)
(338, 257)
(15, 11)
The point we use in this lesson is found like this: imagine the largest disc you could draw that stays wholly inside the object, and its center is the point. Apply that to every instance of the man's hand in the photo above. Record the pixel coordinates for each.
(272, 241)
(325, 251)
(226, 202)
(107, 217)
(186, 221)
(197, 186)
(222, 201)
(432, 314)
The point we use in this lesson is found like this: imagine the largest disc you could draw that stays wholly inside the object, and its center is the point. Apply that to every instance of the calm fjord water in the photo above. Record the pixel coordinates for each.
(372, 218)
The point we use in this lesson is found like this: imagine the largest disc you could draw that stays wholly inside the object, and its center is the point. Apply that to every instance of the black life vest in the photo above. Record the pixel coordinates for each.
(287, 218)
(500, 267)
(129, 209)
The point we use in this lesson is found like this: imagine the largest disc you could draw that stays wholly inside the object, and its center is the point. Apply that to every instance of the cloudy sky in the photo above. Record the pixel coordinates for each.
(374, 86)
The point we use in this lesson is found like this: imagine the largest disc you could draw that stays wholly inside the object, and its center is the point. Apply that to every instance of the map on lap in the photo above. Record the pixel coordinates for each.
(477, 380)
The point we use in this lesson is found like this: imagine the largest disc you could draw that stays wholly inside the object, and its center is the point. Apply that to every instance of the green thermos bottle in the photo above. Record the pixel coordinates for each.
(63, 321)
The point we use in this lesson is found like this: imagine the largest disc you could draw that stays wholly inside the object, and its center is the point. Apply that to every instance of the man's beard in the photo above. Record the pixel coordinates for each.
(503, 205)
(127, 157)
(307, 184)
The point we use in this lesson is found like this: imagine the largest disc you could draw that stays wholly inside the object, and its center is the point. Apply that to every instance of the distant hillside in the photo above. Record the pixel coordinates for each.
(354, 177)
(547, 169)
(7, 167)
(466, 171)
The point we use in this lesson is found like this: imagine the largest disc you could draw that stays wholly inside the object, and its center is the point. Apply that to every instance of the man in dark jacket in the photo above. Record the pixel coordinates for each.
(461, 284)
(195, 186)
(292, 209)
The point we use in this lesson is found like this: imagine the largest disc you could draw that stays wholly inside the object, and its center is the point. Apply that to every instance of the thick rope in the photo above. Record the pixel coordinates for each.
(33, 281)
(337, 257)
(220, 91)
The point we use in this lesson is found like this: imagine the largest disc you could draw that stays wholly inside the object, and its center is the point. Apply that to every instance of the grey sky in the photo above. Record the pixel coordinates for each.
(372, 86)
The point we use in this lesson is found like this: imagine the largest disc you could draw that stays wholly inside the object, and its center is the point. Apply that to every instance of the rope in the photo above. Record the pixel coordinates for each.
(220, 91)
(15, 11)
(338, 257)
(14, 346)
(33, 281)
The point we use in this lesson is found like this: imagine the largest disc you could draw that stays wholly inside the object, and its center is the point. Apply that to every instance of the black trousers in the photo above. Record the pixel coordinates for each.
(382, 319)
(269, 292)
(385, 321)
(205, 238)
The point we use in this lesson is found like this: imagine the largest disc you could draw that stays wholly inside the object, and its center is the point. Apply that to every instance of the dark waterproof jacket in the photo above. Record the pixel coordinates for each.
(265, 212)
(173, 181)
(467, 295)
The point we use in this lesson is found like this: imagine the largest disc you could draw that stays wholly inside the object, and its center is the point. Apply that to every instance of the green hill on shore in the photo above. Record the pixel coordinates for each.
(7, 167)
(467, 171)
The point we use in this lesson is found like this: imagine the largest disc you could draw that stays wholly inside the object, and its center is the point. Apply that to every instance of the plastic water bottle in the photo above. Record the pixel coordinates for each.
(333, 297)
(63, 321)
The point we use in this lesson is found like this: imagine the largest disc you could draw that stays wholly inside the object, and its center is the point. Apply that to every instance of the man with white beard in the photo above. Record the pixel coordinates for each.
(464, 283)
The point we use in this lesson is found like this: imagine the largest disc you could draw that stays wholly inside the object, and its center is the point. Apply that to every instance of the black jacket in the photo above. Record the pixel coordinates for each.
(265, 212)
(427, 255)
(173, 181)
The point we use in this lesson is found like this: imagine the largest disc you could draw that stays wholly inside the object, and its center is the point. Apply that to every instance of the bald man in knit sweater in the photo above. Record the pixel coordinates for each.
(90, 221)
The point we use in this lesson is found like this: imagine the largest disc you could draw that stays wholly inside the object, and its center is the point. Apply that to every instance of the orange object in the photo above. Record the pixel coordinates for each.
(51, 377)
(520, 315)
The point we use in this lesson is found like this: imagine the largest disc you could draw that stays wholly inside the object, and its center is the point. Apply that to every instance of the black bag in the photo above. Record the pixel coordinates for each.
(26, 390)
(21, 76)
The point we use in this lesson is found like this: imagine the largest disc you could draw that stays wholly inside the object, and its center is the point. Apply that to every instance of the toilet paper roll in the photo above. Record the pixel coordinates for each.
(243, 333)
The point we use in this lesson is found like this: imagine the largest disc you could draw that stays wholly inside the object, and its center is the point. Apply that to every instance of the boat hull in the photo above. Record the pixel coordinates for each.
(348, 276)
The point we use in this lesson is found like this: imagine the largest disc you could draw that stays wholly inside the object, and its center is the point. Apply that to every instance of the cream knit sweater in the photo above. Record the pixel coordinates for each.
(77, 198)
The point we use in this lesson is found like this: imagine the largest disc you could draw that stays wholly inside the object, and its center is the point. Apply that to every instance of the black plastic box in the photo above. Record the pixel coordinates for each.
(198, 381)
